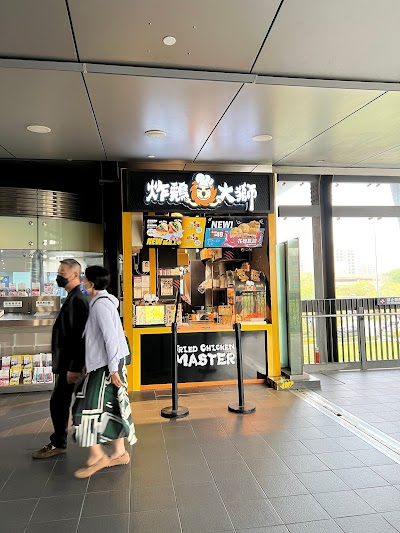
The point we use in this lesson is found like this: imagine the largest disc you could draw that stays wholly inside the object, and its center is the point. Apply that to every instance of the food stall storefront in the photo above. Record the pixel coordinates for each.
(212, 237)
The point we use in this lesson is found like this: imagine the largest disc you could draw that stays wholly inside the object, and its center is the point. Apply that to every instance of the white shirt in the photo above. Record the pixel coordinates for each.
(105, 342)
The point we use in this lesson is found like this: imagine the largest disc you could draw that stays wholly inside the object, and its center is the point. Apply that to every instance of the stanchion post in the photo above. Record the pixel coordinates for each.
(174, 411)
(241, 407)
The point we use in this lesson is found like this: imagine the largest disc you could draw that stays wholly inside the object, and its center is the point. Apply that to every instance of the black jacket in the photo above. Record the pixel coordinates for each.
(67, 343)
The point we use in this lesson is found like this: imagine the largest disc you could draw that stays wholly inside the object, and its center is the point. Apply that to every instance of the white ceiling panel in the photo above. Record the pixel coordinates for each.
(222, 34)
(341, 39)
(367, 133)
(54, 99)
(126, 107)
(4, 154)
(387, 159)
(35, 29)
(292, 115)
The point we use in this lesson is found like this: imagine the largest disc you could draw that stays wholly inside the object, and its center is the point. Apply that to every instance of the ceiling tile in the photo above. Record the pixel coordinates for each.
(4, 154)
(292, 115)
(340, 39)
(369, 132)
(126, 107)
(387, 159)
(36, 29)
(223, 34)
(54, 99)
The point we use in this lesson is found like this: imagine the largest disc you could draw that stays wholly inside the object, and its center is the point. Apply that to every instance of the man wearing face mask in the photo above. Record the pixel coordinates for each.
(68, 350)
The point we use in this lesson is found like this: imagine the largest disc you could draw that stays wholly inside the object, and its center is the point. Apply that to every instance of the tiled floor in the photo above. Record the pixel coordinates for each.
(286, 468)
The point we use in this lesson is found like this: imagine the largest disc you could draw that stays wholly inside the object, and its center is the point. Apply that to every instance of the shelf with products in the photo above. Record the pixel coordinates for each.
(26, 373)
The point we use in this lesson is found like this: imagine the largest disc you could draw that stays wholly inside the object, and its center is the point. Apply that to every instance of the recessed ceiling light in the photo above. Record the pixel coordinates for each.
(262, 138)
(151, 156)
(320, 161)
(169, 40)
(155, 133)
(38, 129)
(69, 160)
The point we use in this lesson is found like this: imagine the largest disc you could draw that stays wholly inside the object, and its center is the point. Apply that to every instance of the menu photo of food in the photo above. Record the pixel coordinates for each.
(163, 231)
(244, 232)
(193, 232)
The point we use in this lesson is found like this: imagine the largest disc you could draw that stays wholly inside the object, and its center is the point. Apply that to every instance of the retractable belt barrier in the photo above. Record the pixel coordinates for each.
(242, 407)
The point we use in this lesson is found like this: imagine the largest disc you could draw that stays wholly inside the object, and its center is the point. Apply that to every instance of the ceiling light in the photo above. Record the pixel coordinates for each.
(151, 156)
(38, 129)
(169, 40)
(155, 133)
(262, 138)
(320, 161)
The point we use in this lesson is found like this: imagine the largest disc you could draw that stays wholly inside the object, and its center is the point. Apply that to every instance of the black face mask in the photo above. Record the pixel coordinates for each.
(62, 282)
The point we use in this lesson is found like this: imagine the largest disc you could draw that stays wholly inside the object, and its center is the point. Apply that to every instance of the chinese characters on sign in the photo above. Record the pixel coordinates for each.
(201, 192)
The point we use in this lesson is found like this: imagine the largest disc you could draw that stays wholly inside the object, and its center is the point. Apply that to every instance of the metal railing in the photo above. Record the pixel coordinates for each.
(362, 331)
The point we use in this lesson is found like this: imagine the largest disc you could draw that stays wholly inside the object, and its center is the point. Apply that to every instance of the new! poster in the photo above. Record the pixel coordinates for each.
(237, 232)
(186, 232)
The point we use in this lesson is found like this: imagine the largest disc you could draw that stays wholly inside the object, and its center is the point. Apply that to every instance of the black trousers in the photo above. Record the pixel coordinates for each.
(60, 404)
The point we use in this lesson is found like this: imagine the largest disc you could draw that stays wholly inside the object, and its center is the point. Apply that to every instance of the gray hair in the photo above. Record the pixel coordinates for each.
(72, 263)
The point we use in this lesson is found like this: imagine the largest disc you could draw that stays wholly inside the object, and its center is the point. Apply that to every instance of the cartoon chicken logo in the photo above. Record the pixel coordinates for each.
(203, 192)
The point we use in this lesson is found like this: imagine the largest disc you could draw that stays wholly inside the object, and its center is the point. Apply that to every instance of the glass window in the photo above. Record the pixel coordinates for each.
(366, 194)
(367, 258)
(293, 193)
(301, 228)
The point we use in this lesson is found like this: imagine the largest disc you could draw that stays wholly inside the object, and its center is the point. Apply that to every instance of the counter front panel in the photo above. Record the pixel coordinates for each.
(203, 356)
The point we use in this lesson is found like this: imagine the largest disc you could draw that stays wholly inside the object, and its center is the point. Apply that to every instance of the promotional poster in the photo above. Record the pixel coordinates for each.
(187, 232)
(237, 232)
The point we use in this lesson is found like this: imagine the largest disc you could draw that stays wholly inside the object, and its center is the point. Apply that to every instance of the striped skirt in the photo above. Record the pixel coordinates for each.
(101, 412)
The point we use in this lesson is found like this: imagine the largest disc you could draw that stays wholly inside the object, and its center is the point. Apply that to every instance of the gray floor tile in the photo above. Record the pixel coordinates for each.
(339, 460)
(325, 481)
(305, 463)
(17, 511)
(389, 472)
(13, 528)
(106, 503)
(283, 485)
(233, 490)
(163, 521)
(373, 457)
(320, 526)
(104, 524)
(393, 518)
(152, 498)
(58, 508)
(336, 431)
(301, 508)
(191, 474)
(372, 523)
(253, 513)
(323, 445)
(353, 443)
(61, 526)
(382, 499)
(267, 529)
(224, 452)
(346, 503)
(267, 466)
(360, 478)
(255, 451)
(290, 448)
(144, 477)
(34, 476)
(118, 479)
(229, 469)
(190, 494)
(197, 519)
(307, 433)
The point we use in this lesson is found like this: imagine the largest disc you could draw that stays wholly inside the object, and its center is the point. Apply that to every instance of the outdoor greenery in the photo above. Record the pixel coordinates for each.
(389, 286)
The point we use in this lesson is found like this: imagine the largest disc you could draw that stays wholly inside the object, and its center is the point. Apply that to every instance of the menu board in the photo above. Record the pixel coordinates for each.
(193, 232)
(149, 315)
(237, 232)
(187, 232)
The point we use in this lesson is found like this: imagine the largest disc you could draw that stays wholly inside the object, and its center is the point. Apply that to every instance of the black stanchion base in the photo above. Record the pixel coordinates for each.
(245, 409)
(169, 412)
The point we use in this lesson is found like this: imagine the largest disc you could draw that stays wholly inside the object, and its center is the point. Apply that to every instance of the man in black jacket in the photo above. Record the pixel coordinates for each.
(68, 349)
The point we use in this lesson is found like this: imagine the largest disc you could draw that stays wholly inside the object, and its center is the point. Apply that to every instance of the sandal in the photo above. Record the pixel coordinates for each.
(88, 471)
(123, 459)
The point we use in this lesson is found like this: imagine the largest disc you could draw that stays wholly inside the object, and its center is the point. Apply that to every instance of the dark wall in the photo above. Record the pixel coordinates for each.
(97, 184)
